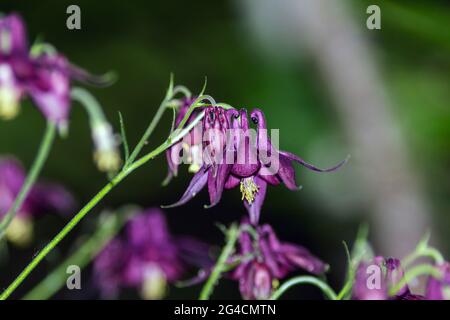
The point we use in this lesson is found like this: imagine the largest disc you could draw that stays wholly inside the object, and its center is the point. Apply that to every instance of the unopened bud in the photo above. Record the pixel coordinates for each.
(106, 154)
(9, 94)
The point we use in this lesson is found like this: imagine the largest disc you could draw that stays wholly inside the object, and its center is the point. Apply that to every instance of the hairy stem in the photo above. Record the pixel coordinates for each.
(42, 155)
(107, 228)
(326, 289)
(152, 125)
(219, 268)
(92, 203)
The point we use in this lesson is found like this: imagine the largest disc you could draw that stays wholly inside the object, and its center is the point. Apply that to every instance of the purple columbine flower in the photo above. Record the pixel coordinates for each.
(190, 148)
(214, 171)
(253, 163)
(147, 257)
(44, 76)
(264, 260)
(42, 198)
(374, 279)
(439, 289)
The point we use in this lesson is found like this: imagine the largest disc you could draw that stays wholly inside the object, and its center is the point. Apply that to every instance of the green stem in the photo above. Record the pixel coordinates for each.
(427, 252)
(326, 289)
(87, 100)
(232, 235)
(422, 269)
(107, 229)
(92, 203)
(345, 290)
(150, 129)
(44, 150)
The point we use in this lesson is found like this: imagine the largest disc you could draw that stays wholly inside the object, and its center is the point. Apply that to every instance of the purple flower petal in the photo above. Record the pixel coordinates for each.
(14, 27)
(286, 173)
(369, 282)
(232, 182)
(254, 209)
(216, 183)
(45, 197)
(437, 288)
(51, 89)
(197, 183)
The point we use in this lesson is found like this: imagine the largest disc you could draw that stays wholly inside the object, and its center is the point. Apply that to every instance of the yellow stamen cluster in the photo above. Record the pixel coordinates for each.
(249, 189)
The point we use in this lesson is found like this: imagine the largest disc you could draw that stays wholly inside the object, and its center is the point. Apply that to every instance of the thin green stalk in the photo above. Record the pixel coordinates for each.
(42, 155)
(345, 290)
(108, 227)
(219, 268)
(427, 252)
(87, 100)
(422, 269)
(326, 289)
(92, 203)
(152, 125)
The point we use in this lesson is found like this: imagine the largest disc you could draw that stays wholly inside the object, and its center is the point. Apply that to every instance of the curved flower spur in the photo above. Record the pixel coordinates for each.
(250, 163)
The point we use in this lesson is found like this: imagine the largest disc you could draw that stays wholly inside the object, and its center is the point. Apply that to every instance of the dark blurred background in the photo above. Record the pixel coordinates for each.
(332, 87)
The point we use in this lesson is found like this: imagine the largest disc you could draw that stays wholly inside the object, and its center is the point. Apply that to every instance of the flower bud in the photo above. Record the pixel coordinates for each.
(10, 94)
(106, 154)
(154, 285)
(20, 231)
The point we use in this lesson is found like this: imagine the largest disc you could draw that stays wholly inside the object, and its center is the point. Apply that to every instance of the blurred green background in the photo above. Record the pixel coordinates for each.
(144, 41)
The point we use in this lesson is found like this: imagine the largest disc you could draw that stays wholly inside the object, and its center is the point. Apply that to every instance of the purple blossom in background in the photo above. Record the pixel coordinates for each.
(13, 60)
(439, 289)
(42, 198)
(44, 76)
(265, 260)
(191, 143)
(374, 279)
(147, 257)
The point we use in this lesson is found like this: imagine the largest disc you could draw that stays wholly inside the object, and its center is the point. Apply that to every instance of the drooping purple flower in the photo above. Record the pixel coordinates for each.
(439, 289)
(190, 147)
(264, 260)
(233, 158)
(147, 257)
(215, 170)
(42, 198)
(44, 76)
(374, 279)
